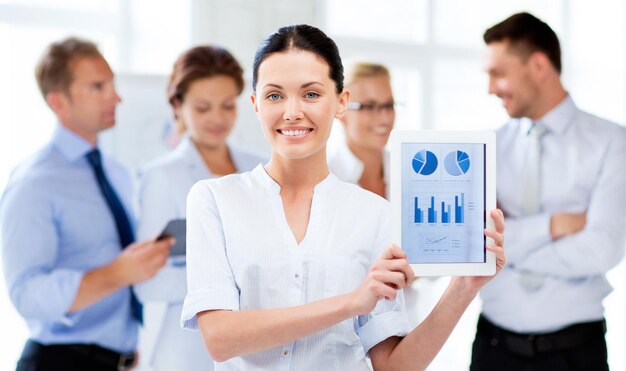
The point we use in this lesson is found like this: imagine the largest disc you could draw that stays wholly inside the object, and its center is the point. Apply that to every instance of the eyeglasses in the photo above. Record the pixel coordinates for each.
(371, 107)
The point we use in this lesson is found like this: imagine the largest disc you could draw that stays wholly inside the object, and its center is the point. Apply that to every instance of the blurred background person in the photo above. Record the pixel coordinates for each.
(203, 90)
(561, 186)
(67, 227)
(362, 158)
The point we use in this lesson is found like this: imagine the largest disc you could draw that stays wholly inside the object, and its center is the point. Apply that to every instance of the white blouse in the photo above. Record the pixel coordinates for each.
(242, 255)
(162, 197)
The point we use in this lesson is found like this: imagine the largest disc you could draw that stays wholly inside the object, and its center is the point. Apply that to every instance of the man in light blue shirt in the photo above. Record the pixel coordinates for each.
(66, 227)
(561, 186)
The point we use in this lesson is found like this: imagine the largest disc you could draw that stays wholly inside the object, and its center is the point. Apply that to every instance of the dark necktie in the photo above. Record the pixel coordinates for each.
(122, 224)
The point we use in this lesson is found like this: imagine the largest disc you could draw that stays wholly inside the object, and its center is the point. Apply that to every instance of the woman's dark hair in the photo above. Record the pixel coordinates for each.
(199, 63)
(301, 37)
(527, 34)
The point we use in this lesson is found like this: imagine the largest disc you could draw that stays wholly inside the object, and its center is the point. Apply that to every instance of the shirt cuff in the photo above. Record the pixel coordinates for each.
(382, 327)
(71, 283)
(203, 300)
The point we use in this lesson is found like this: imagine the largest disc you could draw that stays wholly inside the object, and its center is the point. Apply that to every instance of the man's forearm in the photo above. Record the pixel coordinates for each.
(96, 284)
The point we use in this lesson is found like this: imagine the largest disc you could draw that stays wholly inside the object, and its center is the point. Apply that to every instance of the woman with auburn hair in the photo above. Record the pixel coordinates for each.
(203, 90)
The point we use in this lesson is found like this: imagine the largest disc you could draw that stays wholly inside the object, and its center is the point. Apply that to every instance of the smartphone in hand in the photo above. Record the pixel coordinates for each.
(176, 228)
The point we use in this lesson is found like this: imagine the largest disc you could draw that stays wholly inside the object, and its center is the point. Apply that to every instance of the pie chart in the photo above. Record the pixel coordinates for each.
(457, 163)
(425, 162)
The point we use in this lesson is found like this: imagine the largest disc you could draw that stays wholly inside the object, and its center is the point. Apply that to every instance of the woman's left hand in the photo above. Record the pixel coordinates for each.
(476, 282)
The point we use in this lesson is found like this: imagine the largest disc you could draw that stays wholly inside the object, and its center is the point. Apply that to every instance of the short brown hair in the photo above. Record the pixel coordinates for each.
(365, 69)
(527, 34)
(53, 72)
(198, 63)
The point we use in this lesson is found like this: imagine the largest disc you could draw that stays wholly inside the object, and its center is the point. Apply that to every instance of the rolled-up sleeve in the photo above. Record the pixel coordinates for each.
(210, 281)
(30, 250)
(386, 320)
(389, 316)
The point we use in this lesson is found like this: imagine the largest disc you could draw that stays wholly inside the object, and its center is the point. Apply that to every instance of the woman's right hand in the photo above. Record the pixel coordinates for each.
(390, 273)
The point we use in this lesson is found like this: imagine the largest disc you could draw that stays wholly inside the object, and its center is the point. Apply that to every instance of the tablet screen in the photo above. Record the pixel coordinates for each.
(443, 202)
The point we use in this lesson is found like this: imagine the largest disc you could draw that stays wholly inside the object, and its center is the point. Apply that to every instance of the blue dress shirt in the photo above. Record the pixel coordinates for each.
(582, 170)
(54, 227)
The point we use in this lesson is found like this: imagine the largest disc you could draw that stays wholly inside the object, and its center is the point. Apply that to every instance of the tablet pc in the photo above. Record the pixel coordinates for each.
(176, 228)
(443, 185)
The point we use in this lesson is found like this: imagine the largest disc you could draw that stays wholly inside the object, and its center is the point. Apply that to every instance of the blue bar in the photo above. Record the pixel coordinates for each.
(459, 209)
(445, 216)
(419, 214)
(432, 215)
(462, 207)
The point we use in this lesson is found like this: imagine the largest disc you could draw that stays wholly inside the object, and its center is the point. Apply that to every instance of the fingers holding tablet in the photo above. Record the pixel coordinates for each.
(497, 237)
(442, 186)
(389, 273)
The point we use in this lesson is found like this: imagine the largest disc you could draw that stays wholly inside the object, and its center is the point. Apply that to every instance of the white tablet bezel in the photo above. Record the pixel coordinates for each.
(397, 138)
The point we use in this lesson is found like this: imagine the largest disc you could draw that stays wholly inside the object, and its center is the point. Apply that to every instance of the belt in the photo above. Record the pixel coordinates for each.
(535, 344)
(121, 361)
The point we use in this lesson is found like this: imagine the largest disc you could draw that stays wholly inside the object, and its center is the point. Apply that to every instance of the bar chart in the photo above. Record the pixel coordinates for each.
(444, 215)
(443, 202)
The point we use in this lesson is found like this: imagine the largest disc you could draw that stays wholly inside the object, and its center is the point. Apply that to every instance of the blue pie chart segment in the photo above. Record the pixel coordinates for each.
(457, 163)
(425, 162)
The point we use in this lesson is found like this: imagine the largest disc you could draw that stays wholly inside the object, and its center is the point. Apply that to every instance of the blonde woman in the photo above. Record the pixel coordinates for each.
(367, 123)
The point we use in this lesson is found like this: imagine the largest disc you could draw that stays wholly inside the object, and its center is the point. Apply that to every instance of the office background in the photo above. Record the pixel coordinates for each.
(433, 47)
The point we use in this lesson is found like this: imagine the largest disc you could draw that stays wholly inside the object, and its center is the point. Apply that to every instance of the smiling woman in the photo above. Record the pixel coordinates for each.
(304, 285)
(296, 102)
(362, 159)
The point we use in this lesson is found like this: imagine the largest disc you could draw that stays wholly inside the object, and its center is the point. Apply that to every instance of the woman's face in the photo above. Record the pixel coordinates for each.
(209, 110)
(369, 127)
(296, 102)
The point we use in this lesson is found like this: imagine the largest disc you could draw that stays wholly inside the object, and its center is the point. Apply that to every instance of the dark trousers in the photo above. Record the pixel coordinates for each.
(68, 357)
(580, 347)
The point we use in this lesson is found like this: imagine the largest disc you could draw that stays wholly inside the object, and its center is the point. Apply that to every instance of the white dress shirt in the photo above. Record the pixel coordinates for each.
(582, 164)
(162, 197)
(243, 256)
